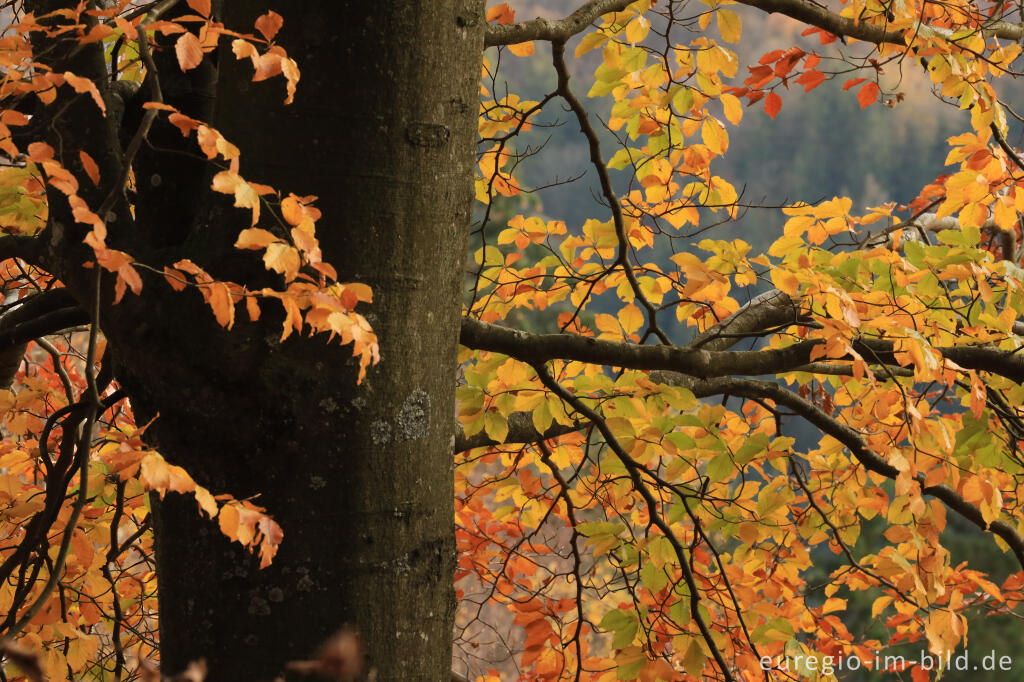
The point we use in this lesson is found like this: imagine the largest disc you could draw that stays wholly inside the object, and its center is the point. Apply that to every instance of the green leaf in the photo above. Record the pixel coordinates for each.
(720, 467)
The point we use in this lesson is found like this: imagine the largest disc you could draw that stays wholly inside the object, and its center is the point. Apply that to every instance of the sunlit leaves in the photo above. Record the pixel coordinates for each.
(918, 288)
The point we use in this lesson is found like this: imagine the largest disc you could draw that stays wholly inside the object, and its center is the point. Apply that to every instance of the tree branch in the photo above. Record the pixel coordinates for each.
(552, 29)
(21, 246)
(539, 348)
(520, 430)
(816, 15)
(33, 317)
(770, 309)
(749, 388)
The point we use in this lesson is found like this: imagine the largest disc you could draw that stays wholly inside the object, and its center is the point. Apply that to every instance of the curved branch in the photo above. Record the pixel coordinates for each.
(552, 29)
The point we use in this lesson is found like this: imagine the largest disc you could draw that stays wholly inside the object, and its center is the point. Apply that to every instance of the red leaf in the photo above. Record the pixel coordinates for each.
(853, 82)
(759, 75)
(772, 104)
(811, 79)
(769, 57)
(868, 94)
(812, 61)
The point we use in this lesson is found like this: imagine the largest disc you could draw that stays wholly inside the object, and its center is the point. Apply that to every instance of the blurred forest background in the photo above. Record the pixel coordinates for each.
(821, 145)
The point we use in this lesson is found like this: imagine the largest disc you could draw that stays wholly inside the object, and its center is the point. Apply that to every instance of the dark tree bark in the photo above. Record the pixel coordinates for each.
(359, 476)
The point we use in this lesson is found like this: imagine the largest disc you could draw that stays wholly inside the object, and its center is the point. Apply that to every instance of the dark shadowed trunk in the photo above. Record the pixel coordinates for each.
(359, 477)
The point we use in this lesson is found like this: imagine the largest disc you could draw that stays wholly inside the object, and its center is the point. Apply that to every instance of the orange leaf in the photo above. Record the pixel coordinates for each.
(91, 169)
(868, 94)
(255, 238)
(174, 278)
(772, 104)
(282, 258)
(39, 151)
(252, 306)
(200, 6)
(84, 85)
(130, 32)
(501, 13)
(189, 51)
(269, 24)
(228, 521)
(222, 305)
(291, 210)
(230, 182)
(522, 49)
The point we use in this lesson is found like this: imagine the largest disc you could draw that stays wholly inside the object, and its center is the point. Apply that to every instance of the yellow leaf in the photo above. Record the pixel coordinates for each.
(733, 107)
(631, 318)
(729, 26)
(785, 281)
(714, 135)
(637, 30)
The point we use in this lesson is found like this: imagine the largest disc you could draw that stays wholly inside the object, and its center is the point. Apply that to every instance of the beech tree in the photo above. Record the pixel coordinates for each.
(243, 411)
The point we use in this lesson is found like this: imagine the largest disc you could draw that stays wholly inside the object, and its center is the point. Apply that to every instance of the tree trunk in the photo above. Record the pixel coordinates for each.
(359, 476)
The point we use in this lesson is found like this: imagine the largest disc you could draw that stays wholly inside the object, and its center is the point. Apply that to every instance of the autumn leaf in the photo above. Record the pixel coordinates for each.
(269, 24)
(202, 7)
(522, 49)
(868, 94)
(501, 13)
(90, 167)
(255, 238)
(772, 104)
(84, 85)
(729, 25)
(188, 51)
(230, 182)
(284, 259)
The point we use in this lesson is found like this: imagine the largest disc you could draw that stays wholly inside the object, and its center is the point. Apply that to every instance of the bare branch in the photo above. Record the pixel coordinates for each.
(552, 29)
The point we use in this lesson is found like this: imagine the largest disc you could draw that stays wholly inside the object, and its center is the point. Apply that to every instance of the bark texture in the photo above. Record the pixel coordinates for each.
(360, 477)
